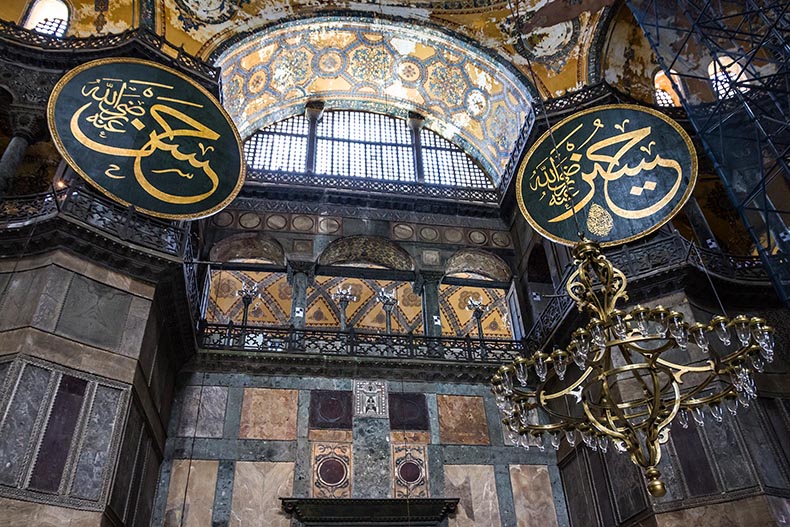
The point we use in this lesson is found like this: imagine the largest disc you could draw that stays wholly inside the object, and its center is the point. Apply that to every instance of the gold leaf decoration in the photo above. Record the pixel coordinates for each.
(599, 221)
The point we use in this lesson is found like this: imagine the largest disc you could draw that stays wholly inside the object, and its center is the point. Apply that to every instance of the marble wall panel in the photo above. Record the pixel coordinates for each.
(17, 512)
(190, 497)
(54, 447)
(410, 438)
(21, 299)
(462, 420)
(268, 414)
(19, 421)
(773, 411)
(126, 461)
(145, 498)
(694, 464)
(408, 411)
(257, 487)
(476, 487)
(598, 476)
(331, 409)
(92, 461)
(409, 471)
(55, 284)
(371, 458)
(766, 459)
(747, 512)
(332, 467)
(203, 411)
(628, 484)
(94, 313)
(532, 496)
(578, 491)
(733, 465)
(331, 436)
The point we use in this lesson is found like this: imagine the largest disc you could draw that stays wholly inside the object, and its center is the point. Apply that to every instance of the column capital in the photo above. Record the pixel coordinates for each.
(300, 267)
(415, 121)
(313, 110)
(425, 277)
(27, 122)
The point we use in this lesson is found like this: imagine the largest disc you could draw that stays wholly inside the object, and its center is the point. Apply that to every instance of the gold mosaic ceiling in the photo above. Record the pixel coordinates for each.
(480, 105)
(559, 33)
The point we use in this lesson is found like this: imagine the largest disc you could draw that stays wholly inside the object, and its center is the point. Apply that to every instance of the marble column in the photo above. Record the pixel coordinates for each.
(300, 276)
(313, 111)
(427, 284)
(416, 123)
(27, 125)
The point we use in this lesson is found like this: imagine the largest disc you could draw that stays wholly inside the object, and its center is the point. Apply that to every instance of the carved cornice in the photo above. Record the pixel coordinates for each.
(34, 52)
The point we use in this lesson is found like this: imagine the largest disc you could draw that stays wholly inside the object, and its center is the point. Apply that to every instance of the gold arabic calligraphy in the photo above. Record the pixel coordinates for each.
(555, 176)
(117, 104)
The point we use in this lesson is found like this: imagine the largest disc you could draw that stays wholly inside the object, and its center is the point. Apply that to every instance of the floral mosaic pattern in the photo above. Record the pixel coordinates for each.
(448, 84)
(289, 69)
(370, 64)
(466, 96)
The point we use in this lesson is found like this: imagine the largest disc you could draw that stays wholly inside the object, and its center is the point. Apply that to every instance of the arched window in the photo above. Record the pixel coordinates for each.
(665, 93)
(724, 72)
(363, 145)
(48, 17)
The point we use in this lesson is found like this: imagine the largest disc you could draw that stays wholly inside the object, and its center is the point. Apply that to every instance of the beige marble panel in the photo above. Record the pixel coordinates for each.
(332, 436)
(747, 512)
(257, 489)
(191, 493)
(533, 498)
(476, 487)
(415, 437)
(268, 414)
(462, 420)
(68, 353)
(16, 512)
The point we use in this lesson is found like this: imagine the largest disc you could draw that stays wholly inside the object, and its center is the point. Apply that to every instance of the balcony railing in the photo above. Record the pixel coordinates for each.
(373, 186)
(80, 204)
(321, 342)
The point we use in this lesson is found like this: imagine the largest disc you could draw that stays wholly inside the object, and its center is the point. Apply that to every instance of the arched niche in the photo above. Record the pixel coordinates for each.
(469, 97)
(366, 250)
(478, 262)
(538, 267)
(247, 247)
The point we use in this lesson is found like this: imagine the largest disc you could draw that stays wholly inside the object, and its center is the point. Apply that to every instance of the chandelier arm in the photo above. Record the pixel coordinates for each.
(569, 389)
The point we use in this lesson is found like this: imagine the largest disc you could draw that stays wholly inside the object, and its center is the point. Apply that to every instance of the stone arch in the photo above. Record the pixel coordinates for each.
(479, 262)
(368, 250)
(375, 64)
(248, 246)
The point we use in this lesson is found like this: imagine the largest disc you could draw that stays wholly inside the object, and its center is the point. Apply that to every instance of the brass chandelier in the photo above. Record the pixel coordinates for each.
(640, 372)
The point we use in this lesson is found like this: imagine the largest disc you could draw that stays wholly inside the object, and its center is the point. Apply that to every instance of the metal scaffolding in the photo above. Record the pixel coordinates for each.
(729, 63)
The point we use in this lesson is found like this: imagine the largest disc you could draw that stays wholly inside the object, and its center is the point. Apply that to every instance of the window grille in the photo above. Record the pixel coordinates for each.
(51, 26)
(361, 144)
(48, 17)
(446, 164)
(281, 146)
(663, 98)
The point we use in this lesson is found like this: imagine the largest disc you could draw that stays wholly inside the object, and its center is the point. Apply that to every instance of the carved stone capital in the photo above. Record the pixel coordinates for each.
(29, 123)
(300, 267)
(425, 278)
